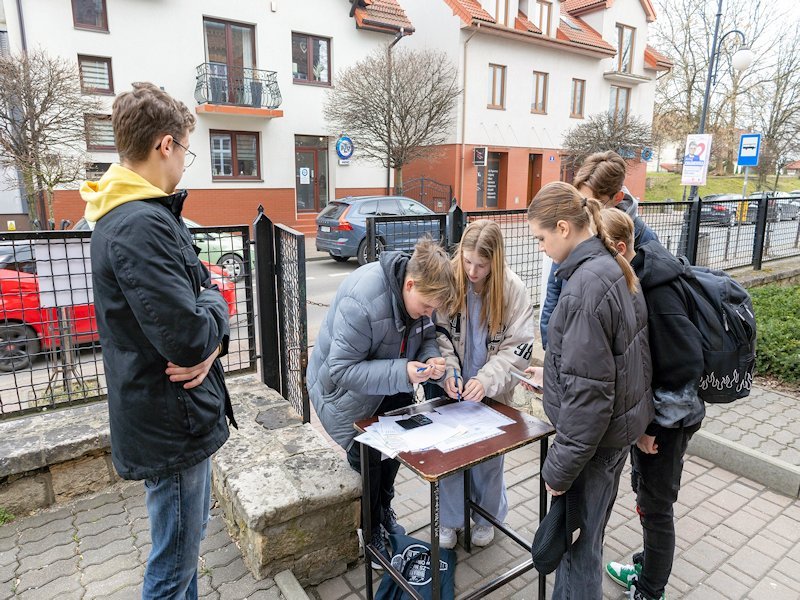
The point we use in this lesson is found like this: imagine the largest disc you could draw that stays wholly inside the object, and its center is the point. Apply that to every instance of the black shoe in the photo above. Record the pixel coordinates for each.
(379, 544)
(389, 522)
(636, 594)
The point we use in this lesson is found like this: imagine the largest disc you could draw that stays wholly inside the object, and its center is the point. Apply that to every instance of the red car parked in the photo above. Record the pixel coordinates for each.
(26, 329)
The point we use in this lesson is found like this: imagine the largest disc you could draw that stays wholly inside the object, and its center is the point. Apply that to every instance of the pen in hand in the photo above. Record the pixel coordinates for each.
(458, 392)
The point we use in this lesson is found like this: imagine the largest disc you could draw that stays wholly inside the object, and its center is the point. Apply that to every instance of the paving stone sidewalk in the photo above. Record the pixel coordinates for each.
(767, 421)
(736, 539)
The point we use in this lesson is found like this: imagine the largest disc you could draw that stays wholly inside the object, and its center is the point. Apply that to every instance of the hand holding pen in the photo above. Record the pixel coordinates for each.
(454, 385)
(419, 372)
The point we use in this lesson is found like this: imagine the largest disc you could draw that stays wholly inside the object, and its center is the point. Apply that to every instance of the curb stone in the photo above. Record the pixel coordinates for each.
(289, 586)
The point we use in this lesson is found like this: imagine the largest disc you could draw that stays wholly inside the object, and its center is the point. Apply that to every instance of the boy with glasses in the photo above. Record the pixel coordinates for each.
(162, 326)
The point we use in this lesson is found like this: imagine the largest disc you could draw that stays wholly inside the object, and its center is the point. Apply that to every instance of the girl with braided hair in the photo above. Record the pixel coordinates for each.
(596, 374)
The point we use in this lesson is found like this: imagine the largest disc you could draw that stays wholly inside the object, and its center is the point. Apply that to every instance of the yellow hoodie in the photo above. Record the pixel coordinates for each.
(117, 186)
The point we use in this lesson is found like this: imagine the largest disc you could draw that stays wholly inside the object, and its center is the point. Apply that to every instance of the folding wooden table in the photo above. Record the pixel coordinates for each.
(433, 466)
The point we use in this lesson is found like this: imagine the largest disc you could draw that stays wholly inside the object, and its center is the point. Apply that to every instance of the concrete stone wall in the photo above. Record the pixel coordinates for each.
(288, 497)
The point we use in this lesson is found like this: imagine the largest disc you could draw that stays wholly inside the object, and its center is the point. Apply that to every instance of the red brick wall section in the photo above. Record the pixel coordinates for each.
(513, 182)
(222, 206)
(344, 192)
(636, 179)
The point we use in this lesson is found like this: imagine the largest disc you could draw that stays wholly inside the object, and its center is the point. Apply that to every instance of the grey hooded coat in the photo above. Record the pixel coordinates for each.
(360, 355)
(597, 371)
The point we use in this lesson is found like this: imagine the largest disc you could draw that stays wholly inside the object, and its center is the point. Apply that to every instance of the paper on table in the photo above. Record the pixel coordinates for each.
(470, 414)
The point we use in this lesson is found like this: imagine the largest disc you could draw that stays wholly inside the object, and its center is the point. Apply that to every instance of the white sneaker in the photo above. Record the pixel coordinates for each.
(448, 537)
(482, 535)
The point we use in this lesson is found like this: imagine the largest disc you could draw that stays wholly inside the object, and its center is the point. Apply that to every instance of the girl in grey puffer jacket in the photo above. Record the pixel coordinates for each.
(596, 376)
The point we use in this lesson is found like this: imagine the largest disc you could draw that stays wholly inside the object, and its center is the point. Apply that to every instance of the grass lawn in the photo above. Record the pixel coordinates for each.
(661, 186)
(778, 322)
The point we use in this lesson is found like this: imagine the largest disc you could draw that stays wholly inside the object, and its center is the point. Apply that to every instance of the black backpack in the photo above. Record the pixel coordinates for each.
(722, 311)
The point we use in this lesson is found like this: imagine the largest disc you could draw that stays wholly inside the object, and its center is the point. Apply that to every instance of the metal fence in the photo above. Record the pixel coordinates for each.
(522, 249)
(290, 274)
(282, 319)
(718, 234)
(433, 194)
(50, 353)
(403, 232)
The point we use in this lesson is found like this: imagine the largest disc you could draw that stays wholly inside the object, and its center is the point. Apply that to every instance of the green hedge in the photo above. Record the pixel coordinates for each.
(778, 321)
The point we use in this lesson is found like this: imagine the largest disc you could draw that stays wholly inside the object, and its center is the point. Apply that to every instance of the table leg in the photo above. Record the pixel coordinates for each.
(435, 573)
(542, 508)
(366, 525)
(467, 510)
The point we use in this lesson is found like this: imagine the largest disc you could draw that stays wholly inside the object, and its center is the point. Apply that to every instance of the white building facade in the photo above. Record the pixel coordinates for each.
(530, 71)
(257, 74)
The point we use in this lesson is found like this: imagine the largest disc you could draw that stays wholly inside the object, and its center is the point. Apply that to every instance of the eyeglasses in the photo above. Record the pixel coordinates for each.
(188, 157)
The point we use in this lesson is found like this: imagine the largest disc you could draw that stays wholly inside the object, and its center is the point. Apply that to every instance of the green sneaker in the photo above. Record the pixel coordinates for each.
(623, 574)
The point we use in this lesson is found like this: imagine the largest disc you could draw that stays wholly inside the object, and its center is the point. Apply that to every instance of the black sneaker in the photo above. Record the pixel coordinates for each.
(390, 523)
(635, 594)
(379, 544)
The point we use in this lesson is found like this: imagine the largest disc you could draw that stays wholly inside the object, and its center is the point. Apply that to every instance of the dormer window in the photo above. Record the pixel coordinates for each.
(542, 15)
(625, 43)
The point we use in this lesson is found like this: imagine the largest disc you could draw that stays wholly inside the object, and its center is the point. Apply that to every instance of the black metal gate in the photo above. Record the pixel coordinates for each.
(433, 194)
(283, 324)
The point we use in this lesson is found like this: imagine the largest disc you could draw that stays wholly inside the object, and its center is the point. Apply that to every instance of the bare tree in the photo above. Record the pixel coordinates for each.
(42, 127)
(420, 91)
(684, 31)
(606, 131)
(774, 109)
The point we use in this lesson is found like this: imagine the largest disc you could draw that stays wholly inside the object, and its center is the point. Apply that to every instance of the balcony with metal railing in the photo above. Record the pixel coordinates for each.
(227, 89)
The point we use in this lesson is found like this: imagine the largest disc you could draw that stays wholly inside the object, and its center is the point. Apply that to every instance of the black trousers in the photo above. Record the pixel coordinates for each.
(382, 473)
(656, 479)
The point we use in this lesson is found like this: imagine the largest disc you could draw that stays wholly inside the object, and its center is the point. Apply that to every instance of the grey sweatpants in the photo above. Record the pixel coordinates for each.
(488, 491)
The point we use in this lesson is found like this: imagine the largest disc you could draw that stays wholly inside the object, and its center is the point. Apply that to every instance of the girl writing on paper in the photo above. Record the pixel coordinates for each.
(488, 333)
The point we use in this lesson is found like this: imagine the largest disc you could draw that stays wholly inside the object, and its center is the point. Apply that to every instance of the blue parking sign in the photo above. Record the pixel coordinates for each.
(749, 149)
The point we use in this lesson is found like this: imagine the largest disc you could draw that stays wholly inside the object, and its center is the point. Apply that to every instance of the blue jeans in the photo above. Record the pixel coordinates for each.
(580, 574)
(178, 506)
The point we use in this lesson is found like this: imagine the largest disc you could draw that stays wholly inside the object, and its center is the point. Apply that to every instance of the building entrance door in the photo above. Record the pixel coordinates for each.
(311, 173)
(534, 176)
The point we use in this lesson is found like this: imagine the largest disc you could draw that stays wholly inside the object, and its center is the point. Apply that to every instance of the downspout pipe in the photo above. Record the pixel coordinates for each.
(23, 39)
(464, 114)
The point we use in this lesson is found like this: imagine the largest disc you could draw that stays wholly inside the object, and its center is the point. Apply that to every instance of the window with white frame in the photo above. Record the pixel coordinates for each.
(542, 15)
(95, 73)
(235, 155)
(99, 133)
(501, 12)
(497, 86)
(578, 95)
(539, 96)
(625, 44)
(619, 102)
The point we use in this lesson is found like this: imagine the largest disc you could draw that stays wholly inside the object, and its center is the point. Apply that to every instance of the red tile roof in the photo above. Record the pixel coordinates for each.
(583, 5)
(469, 10)
(523, 24)
(382, 15)
(579, 7)
(793, 166)
(653, 59)
(581, 34)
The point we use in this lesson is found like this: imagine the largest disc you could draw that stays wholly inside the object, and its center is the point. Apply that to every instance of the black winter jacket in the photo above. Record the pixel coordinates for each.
(676, 346)
(597, 365)
(155, 303)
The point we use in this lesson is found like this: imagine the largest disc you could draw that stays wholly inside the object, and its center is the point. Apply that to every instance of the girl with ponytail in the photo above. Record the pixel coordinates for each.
(596, 373)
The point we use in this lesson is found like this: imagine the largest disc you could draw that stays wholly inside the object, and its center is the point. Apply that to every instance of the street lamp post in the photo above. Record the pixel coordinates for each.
(740, 61)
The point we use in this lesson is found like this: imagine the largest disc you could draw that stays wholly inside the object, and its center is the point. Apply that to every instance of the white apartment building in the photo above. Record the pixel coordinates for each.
(257, 72)
(531, 70)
